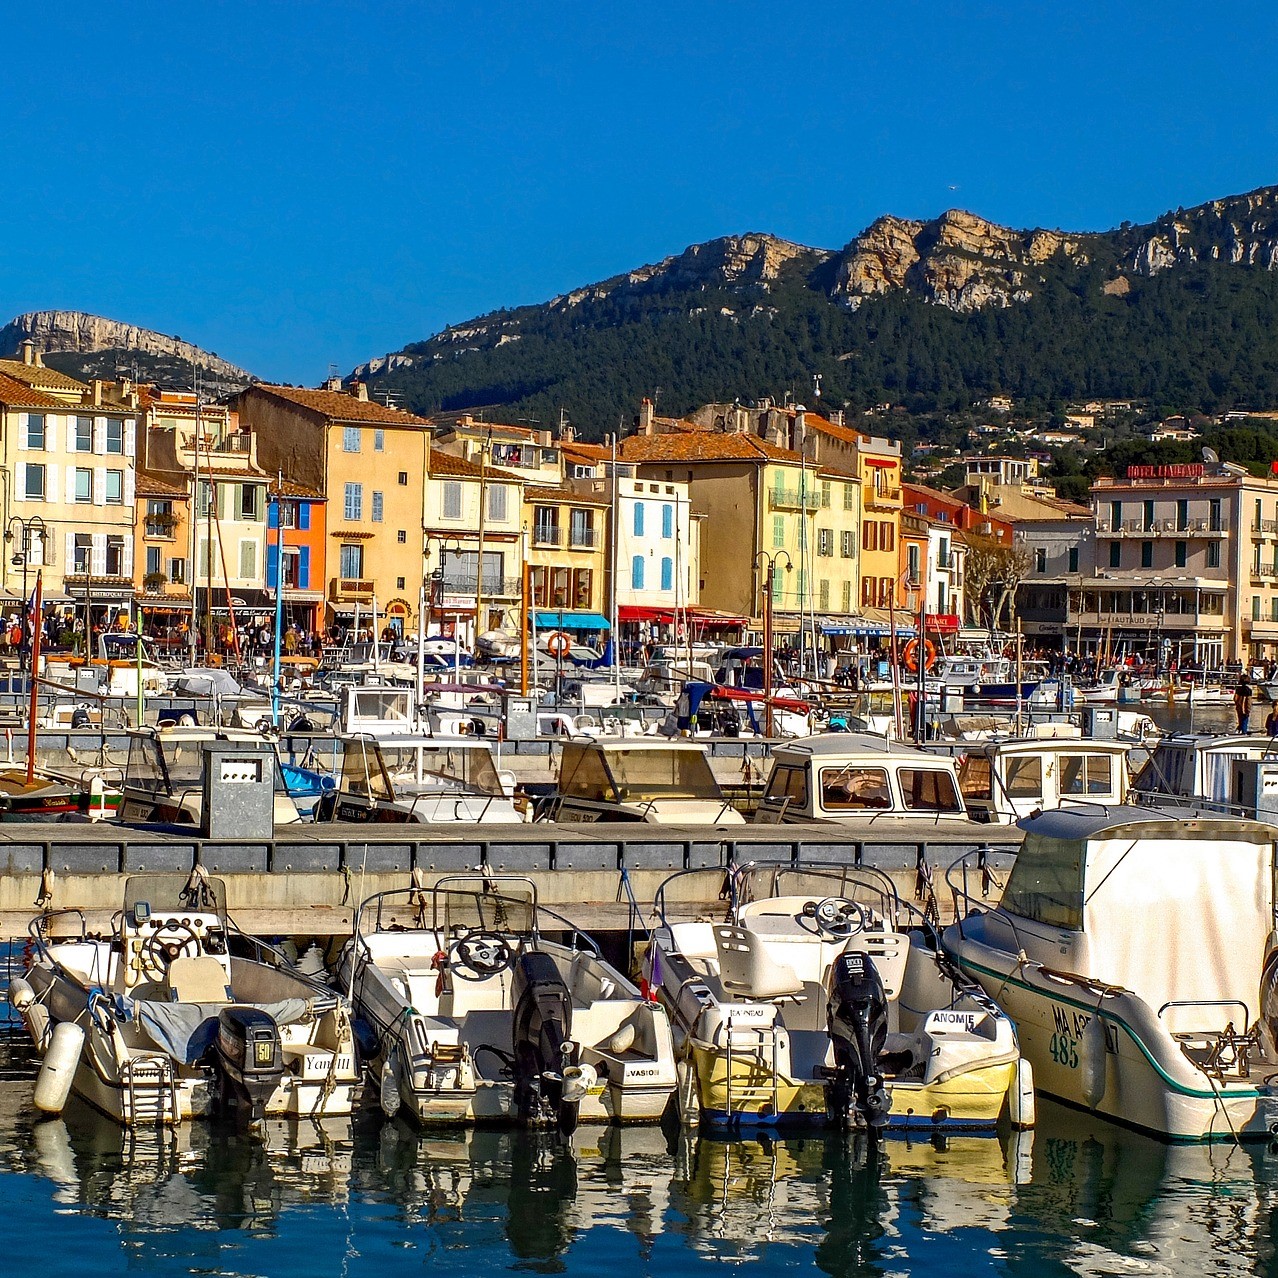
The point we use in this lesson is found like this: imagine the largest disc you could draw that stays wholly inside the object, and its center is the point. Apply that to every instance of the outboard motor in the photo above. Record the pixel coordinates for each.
(549, 1082)
(250, 1060)
(856, 1017)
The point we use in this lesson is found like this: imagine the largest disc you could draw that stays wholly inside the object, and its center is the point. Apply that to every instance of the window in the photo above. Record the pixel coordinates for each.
(867, 591)
(844, 789)
(1147, 524)
(1085, 774)
(1182, 516)
(350, 439)
(667, 573)
(399, 583)
(847, 596)
(1213, 554)
(1255, 607)
(912, 558)
(403, 479)
(83, 484)
(402, 537)
(871, 535)
(153, 561)
(82, 554)
(35, 431)
(1073, 559)
(636, 572)
(177, 571)
(546, 525)
(778, 581)
(581, 531)
(1040, 559)
(1214, 522)
(1146, 554)
(204, 498)
(778, 531)
(114, 435)
(353, 503)
(452, 500)
(377, 507)
(379, 441)
(789, 783)
(667, 522)
(928, 790)
(638, 525)
(1115, 515)
(497, 502)
(1025, 778)
(83, 439)
(114, 487)
(846, 545)
(248, 559)
(1115, 554)
(1182, 553)
(33, 487)
(825, 541)
(250, 507)
(823, 593)
(849, 497)
(351, 562)
(1273, 608)
(943, 552)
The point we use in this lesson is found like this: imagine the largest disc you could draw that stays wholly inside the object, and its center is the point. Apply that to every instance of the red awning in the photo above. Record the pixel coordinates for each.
(634, 612)
(942, 622)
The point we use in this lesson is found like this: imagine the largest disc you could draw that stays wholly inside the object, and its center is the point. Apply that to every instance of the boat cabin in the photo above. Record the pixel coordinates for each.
(854, 776)
(1201, 770)
(379, 712)
(1004, 780)
(629, 779)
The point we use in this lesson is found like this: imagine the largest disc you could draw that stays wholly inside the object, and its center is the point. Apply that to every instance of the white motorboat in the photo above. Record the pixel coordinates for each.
(820, 996)
(161, 1022)
(479, 1015)
(1199, 770)
(1135, 949)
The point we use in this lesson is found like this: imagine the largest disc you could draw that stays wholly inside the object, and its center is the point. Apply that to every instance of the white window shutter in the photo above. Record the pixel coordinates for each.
(70, 560)
(51, 434)
(126, 558)
(128, 486)
(99, 434)
(50, 482)
(70, 485)
(130, 439)
(21, 493)
(48, 545)
(98, 563)
(99, 486)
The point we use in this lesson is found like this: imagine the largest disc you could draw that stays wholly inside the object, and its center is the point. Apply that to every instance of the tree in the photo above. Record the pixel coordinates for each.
(991, 574)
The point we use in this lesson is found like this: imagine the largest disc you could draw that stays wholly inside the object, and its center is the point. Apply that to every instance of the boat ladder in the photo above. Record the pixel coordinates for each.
(150, 1091)
(752, 1097)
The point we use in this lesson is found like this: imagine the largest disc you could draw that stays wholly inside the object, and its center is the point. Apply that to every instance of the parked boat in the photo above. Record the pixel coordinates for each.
(819, 997)
(161, 1021)
(639, 779)
(1202, 771)
(1134, 948)
(479, 1015)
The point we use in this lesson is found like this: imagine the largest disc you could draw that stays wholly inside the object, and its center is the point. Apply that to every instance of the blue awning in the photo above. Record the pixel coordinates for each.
(570, 621)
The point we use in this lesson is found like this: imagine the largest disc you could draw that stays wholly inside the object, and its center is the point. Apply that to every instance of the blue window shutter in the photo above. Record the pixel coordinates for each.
(639, 519)
(304, 566)
(273, 514)
(304, 515)
(667, 572)
(272, 567)
(636, 569)
(667, 522)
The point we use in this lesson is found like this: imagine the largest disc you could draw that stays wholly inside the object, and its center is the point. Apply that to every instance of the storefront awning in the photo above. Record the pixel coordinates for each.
(942, 623)
(873, 621)
(570, 621)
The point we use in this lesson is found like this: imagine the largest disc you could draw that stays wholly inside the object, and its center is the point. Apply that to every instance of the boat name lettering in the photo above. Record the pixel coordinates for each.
(1069, 1022)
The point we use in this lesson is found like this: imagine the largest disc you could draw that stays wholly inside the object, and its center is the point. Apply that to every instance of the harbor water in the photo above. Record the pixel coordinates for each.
(376, 1198)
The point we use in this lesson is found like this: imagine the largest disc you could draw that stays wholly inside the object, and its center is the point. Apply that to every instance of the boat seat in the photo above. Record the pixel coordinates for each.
(198, 980)
(747, 970)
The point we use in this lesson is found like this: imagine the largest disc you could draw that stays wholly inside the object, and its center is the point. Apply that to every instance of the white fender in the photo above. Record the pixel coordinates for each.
(36, 1019)
(53, 1084)
(21, 994)
(1091, 1062)
(389, 1089)
(689, 1099)
(1022, 1109)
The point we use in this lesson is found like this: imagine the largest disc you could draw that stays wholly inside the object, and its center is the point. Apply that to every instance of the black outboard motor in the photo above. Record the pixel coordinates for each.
(544, 1050)
(856, 1017)
(250, 1060)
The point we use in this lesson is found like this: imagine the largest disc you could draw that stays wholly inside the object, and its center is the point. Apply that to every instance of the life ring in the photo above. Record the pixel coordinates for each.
(911, 655)
(558, 644)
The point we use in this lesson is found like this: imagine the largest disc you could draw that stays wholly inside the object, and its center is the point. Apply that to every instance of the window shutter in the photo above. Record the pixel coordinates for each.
(129, 489)
(21, 494)
(304, 568)
(130, 439)
(99, 485)
(126, 558)
(272, 566)
(304, 515)
(70, 559)
(50, 482)
(273, 513)
(70, 485)
(98, 560)
(99, 434)
(51, 434)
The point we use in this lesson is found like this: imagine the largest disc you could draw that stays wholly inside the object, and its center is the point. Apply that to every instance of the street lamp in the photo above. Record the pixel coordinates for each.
(26, 528)
(767, 565)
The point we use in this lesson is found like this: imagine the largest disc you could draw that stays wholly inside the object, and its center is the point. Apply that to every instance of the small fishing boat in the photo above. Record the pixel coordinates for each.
(1135, 950)
(164, 1020)
(479, 1015)
(820, 996)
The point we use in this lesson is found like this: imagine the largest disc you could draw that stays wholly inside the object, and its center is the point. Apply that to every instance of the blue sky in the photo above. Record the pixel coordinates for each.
(295, 185)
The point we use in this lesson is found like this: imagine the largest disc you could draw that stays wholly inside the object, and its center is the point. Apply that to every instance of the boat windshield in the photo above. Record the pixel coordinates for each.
(487, 906)
(364, 771)
(1046, 883)
(452, 767)
(662, 774)
(170, 892)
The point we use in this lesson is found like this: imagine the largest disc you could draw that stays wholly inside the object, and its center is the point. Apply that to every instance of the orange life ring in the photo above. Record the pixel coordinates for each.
(558, 644)
(911, 656)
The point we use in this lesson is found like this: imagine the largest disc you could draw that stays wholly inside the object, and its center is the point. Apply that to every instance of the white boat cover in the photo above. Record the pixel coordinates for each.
(186, 1030)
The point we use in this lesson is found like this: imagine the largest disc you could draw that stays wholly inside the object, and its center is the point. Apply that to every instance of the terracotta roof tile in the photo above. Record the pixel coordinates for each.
(703, 446)
(287, 488)
(442, 463)
(340, 407)
(536, 492)
(17, 394)
(149, 486)
(37, 375)
(588, 452)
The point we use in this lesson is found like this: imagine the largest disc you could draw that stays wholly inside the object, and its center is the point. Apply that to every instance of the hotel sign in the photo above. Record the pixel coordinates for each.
(1182, 470)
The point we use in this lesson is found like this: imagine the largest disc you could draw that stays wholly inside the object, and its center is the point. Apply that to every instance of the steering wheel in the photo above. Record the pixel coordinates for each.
(479, 954)
(837, 917)
(173, 940)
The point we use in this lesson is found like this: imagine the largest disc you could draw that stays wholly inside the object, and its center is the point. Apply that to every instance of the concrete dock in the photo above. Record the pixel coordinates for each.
(307, 879)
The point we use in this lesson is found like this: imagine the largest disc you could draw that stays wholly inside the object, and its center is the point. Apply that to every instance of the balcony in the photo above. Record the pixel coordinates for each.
(547, 535)
(1264, 572)
(792, 499)
(161, 526)
(882, 499)
(350, 588)
(583, 538)
(1159, 528)
(495, 587)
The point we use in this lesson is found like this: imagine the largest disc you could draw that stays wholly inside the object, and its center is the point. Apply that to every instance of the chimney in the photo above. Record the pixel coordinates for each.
(837, 417)
(27, 347)
(646, 414)
(359, 390)
(333, 384)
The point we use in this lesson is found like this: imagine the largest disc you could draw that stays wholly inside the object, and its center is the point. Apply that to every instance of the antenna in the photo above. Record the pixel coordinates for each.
(816, 385)
(1211, 457)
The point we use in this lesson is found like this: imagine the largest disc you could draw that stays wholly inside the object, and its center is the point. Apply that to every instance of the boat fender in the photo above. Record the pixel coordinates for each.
(1091, 1060)
(21, 994)
(623, 1040)
(53, 1083)
(1022, 1111)
(389, 1089)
